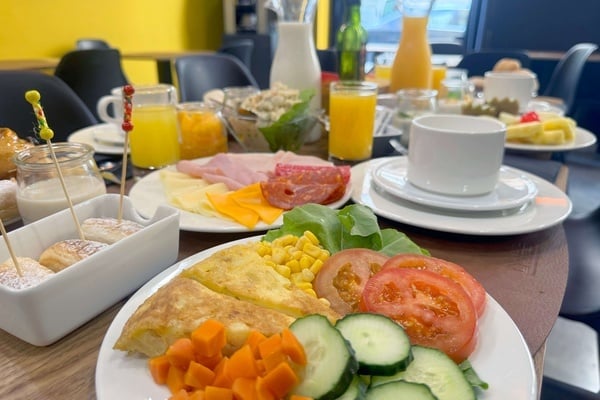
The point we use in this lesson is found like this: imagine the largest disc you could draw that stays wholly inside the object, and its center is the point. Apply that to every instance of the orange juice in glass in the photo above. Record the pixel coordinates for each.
(438, 74)
(154, 140)
(412, 63)
(351, 121)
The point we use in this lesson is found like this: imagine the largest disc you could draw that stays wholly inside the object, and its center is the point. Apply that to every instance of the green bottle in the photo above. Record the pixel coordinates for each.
(351, 43)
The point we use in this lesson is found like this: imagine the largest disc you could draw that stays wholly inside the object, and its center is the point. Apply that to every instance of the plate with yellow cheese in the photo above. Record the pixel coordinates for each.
(209, 206)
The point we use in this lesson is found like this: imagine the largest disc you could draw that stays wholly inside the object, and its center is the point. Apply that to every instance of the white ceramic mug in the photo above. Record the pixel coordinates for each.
(511, 85)
(113, 101)
(455, 155)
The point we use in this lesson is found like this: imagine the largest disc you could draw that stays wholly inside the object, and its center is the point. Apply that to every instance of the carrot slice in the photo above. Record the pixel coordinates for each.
(280, 380)
(242, 364)
(274, 359)
(209, 362)
(269, 345)
(175, 380)
(209, 338)
(180, 353)
(159, 369)
(253, 340)
(217, 393)
(292, 347)
(198, 376)
(262, 391)
(244, 389)
(181, 394)
(222, 378)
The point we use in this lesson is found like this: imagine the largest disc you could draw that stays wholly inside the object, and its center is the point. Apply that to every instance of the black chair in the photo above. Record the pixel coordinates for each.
(447, 48)
(92, 73)
(64, 110)
(90, 44)
(565, 77)
(478, 63)
(197, 74)
(242, 49)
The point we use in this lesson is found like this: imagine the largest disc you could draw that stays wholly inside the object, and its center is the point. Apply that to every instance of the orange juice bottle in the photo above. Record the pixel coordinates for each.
(412, 64)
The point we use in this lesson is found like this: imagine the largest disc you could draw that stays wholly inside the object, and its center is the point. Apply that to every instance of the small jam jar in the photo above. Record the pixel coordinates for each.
(39, 191)
(203, 132)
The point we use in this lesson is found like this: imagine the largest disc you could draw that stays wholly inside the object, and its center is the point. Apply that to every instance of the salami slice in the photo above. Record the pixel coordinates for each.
(323, 171)
(302, 186)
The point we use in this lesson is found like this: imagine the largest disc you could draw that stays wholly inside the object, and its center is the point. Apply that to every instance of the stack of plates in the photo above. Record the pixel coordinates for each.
(520, 203)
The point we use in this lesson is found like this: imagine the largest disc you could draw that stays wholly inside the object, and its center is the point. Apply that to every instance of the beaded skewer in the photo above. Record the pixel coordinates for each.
(33, 97)
(10, 249)
(127, 127)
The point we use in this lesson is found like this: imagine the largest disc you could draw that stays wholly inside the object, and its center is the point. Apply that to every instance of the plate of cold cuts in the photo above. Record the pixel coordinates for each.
(193, 185)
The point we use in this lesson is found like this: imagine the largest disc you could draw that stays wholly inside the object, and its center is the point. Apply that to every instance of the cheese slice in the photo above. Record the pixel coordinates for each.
(225, 204)
(195, 200)
(251, 197)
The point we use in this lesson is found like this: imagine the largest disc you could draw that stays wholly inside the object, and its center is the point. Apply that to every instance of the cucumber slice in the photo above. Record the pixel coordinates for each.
(356, 391)
(381, 345)
(331, 364)
(436, 370)
(400, 390)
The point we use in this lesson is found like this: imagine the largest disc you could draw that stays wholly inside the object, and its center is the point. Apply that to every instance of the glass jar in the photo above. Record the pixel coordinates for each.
(39, 191)
(203, 133)
(411, 104)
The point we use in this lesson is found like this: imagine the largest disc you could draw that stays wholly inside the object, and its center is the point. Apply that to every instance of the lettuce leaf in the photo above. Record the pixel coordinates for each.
(353, 226)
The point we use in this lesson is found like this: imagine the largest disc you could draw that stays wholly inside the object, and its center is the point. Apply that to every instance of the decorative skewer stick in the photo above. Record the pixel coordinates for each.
(33, 97)
(10, 249)
(127, 127)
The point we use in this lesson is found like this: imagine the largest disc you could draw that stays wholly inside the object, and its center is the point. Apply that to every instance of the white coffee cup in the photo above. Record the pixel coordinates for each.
(113, 102)
(511, 85)
(456, 155)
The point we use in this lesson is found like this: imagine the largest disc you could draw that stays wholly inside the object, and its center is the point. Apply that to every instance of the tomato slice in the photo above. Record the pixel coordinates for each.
(343, 276)
(434, 310)
(446, 268)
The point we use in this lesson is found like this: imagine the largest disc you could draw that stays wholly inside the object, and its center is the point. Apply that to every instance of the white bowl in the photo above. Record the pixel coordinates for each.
(44, 313)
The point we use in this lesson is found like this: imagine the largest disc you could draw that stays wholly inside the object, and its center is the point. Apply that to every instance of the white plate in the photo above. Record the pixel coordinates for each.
(148, 194)
(583, 139)
(501, 358)
(90, 134)
(513, 190)
(550, 207)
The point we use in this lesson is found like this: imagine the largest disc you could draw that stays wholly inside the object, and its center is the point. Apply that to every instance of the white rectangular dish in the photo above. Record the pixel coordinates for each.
(42, 314)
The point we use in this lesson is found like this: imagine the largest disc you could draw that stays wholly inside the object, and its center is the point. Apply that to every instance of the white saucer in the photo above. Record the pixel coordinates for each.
(88, 136)
(513, 190)
(550, 207)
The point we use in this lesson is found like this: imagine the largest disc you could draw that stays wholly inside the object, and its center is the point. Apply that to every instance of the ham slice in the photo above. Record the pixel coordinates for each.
(240, 170)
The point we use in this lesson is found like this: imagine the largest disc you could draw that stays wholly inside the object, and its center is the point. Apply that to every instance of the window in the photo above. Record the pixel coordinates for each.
(383, 21)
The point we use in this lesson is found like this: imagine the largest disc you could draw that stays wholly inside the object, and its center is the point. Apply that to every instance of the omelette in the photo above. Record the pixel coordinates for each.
(235, 286)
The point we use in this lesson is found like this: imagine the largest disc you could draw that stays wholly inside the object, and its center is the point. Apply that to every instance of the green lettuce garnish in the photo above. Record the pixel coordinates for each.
(354, 226)
(289, 131)
(471, 376)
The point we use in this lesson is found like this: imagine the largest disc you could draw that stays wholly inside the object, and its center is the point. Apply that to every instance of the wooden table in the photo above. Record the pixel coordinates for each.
(29, 64)
(526, 274)
(164, 61)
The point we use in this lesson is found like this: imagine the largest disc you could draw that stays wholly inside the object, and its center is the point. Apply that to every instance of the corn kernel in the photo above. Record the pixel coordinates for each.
(293, 265)
(279, 255)
(306, 261)
(304, 285)
(302, 240)
(310, 292)
(296, 254)
(284, 241)
(307, 275)
(283, 270)
(311, 236)
(316, 267)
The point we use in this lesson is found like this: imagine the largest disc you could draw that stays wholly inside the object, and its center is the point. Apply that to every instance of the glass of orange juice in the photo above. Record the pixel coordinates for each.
(154, 140)
(351, 121)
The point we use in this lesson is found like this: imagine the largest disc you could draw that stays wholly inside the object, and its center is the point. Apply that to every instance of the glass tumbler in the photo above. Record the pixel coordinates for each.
(203, 132)
(39, 191)
(412, 103)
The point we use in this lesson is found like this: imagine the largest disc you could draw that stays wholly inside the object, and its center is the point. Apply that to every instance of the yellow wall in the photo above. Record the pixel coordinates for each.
(49, 28)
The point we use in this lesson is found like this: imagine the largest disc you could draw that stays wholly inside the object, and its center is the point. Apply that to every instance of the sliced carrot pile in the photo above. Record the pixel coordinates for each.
(195, 368)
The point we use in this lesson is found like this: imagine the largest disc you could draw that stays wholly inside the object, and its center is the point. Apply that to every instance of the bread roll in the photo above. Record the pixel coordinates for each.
(10, 144)
(8, 200)
(507, 65)
(108, 230)
(33, 273)
(67, 252)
